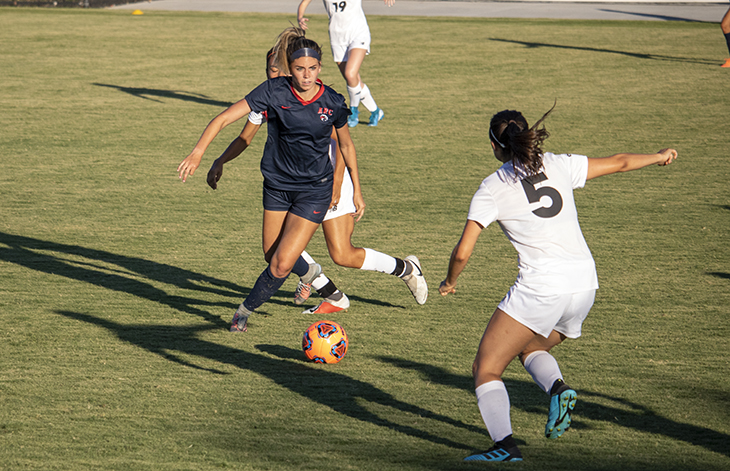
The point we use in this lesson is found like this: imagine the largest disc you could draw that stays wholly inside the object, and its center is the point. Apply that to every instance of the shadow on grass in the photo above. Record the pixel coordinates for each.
(657, 57)
(134, 276)
(720, 274)
(120, 273)
(649, 15)
(527, 396)
(147, 93)
(288, 369)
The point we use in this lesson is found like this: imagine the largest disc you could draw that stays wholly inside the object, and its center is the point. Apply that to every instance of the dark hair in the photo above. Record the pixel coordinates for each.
(289, 41)
(268, 56)
(523, 145)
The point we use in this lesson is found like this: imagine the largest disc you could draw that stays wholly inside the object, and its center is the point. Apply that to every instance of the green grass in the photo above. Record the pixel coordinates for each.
(117, 281)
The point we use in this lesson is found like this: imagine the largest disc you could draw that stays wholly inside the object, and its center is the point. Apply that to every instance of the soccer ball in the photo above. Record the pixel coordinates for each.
(325, 342)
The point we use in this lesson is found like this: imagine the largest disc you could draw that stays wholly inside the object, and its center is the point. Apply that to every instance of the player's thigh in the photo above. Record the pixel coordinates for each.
(502, 341)
(273, 225)
(295, 235)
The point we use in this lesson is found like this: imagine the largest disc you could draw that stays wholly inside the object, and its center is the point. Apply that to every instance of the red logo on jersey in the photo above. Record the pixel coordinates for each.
(324, 114)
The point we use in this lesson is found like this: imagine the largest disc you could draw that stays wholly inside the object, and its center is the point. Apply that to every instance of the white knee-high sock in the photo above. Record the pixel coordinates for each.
(377, 261)
(543, 368)
(367, 99)
(355, 95)
(493, 402)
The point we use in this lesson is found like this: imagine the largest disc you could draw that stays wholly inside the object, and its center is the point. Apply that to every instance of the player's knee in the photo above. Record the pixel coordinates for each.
(279, 268)
(343, 257)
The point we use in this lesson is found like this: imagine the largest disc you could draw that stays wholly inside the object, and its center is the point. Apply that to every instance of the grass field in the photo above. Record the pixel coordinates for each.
(117, 281)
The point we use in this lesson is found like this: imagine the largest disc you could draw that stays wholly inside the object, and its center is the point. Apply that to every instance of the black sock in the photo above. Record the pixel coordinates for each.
(508, 443)
(263, 290)
(327, 290)
(402, 268)
(727, 40)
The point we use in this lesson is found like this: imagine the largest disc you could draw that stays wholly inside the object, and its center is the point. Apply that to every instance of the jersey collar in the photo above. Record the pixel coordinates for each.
(303, 102)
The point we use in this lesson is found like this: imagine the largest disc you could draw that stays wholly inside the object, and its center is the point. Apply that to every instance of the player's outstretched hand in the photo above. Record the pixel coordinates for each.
(303, 23)
(389, 3)
(669, 156)
(187, 167)
(446, 289)
(214, 174)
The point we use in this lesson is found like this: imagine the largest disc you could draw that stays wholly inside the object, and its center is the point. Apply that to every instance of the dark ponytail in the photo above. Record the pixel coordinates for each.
(523, 145)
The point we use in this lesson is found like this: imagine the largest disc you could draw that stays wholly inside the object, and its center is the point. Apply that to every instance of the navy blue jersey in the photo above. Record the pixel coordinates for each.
(296, 156)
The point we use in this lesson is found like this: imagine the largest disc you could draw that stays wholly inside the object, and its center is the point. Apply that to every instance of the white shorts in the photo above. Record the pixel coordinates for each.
(342, 44)
(563, 313)
(346, 205)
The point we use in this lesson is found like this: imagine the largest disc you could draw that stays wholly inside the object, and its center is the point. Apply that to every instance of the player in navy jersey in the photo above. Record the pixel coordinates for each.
(531, 197)
(350, 41)
(298, 176)
(338, 224)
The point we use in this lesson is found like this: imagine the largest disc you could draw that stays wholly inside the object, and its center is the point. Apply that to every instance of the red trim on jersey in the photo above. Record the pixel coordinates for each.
(305, 103)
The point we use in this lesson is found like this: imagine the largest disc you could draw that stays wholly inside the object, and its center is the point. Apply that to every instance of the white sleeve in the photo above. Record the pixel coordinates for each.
(578, 169)
(256, 118)
(483, 207)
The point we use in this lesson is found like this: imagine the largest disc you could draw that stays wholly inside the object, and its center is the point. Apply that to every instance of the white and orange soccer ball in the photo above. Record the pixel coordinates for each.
(325, 342)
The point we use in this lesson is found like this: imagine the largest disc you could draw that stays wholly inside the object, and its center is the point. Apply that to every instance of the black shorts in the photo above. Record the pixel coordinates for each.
(311, 205)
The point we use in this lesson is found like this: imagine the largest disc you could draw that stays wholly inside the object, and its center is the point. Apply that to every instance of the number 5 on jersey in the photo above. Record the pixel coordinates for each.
(534, 195)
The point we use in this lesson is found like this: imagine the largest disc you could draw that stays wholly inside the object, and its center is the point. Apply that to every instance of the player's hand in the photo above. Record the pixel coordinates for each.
(669, 156)
(446, 288)
(214, 174)
(303, 23)
(359, 206)
(188, 166)
(389, 3)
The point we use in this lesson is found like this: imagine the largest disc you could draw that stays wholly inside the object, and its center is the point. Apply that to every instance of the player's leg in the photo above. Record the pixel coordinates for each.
(338, 235)
(357, 90)
(502, 341)
(725, 25)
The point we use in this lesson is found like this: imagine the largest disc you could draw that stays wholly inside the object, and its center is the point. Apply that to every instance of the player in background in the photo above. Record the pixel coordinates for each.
(339, 223)
(725, 25)
(350, 41)
(531, 197)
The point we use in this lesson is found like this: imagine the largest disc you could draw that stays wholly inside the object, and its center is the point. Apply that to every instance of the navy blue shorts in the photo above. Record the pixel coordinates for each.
(311, 205)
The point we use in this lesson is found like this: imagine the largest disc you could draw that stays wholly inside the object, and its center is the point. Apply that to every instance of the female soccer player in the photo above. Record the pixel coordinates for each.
(350, 41)
(338, 224)
(531, 197)
(298, 176)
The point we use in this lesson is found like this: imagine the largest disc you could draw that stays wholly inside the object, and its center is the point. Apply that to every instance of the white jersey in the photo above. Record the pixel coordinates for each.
(539, 217)
(346, 19)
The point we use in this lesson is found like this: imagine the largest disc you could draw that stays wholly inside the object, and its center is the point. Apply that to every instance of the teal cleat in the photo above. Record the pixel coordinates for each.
(375, 117)
(496, 453)
(352, 120)
(562, 403)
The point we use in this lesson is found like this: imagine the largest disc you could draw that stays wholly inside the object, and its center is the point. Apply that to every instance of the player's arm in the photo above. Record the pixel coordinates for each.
(230, 115)
(460, 256)
(233, 150)
(627, 162)
(339, 175)
(301, 20)
(347, 147)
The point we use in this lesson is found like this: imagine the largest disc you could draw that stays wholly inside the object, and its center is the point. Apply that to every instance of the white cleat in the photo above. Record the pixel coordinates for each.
(416, 282)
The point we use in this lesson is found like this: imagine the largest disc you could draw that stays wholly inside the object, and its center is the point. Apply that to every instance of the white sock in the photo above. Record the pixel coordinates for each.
(367, 99)
(307, 258)
(355, 95)
(493, 402)
(320, 282)
(377, 261)
(543, 368)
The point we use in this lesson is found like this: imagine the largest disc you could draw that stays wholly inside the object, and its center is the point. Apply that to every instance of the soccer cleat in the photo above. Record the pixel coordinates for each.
(375, 117)
(415, 281)
(303, 292)
(329, 306)
(352, 120)
(562, 402)
(239, 323)
(726, 64)
(496, 453)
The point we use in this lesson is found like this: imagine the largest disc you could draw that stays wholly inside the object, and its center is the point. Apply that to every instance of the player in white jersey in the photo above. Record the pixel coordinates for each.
(338, 224)
(350, 41)
(531, 197)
